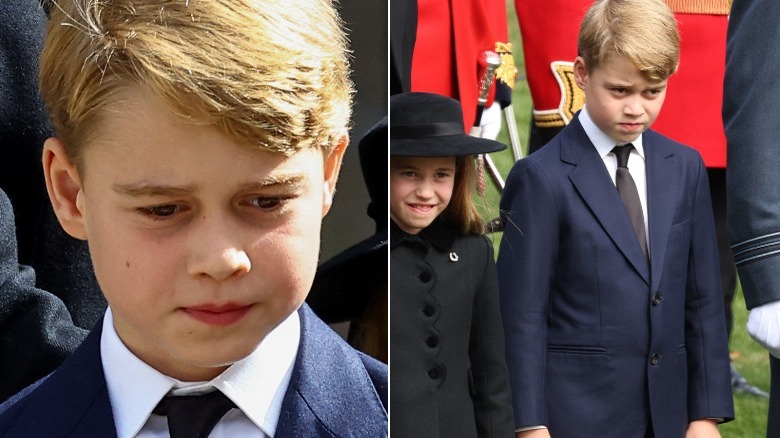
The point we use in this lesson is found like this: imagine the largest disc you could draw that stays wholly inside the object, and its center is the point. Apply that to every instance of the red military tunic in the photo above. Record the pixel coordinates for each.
(451, 35)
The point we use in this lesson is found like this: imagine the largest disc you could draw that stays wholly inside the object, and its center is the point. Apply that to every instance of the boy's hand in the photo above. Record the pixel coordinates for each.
(534, 433)
(702, 429)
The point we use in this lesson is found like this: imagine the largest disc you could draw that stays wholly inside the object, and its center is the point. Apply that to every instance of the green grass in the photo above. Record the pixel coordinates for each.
(753, 362)
(749, 358)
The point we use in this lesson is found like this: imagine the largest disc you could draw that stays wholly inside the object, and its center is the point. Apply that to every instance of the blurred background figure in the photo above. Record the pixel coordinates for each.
(39, 326)
(352, 286)
(751, 100)
(437, 47)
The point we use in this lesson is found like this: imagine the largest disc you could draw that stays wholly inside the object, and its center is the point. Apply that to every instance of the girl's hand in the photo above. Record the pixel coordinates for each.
(702, 429)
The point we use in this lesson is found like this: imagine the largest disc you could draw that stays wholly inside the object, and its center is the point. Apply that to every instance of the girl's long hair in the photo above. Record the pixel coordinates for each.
(462, 212)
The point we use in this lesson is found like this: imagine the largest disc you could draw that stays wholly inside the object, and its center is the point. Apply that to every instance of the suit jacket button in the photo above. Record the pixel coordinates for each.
(425, 277)
(657, 299)
(434, 374)
(432, 341)
(654, 358)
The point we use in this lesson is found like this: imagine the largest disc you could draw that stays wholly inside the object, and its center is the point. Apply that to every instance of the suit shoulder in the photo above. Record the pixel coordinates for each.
(322, 344)
(659, 141)
(377, 372)
(334, 386)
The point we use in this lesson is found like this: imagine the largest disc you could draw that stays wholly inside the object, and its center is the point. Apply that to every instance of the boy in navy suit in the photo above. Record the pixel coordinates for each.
(608, 266)
(198, 147)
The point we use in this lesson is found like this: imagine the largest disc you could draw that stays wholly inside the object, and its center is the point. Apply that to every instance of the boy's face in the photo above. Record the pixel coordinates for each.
(420, 189)
(619, 99)
(201, 245)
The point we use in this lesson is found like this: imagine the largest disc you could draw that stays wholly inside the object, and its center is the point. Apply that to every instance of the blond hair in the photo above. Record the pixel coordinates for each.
(645, 31)
(461, 211)
(272, 74)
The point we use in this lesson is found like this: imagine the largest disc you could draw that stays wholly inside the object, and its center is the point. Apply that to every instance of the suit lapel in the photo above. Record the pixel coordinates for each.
(330, 392)
(663, 182)
(592, 181)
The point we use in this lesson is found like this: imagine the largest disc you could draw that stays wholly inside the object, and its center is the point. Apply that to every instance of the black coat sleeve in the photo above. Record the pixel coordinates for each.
(490, 376)
(36, 330)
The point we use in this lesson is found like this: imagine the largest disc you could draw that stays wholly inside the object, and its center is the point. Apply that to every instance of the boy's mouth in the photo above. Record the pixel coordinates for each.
(218, 314)
(632, 126)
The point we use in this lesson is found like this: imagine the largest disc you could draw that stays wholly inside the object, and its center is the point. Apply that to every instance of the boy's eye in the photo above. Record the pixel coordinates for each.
(160, 211)
(266, 203)
(409, 173)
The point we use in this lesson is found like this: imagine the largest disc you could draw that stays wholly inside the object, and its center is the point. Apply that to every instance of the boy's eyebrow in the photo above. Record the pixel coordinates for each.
(149, 189)
(610, 84)
(292, 179)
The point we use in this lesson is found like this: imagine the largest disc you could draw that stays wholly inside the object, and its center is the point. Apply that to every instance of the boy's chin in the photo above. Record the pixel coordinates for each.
(197, 369)
(205, 360)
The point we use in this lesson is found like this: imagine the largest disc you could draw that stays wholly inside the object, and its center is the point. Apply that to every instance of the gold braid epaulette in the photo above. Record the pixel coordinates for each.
(710, 7)
(506, 72)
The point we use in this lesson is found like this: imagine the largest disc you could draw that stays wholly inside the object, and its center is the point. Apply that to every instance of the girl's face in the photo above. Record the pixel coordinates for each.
(420, 189)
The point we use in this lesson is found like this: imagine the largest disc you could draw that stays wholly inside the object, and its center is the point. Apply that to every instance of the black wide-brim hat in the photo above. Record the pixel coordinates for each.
(431, 125)
(343, 285)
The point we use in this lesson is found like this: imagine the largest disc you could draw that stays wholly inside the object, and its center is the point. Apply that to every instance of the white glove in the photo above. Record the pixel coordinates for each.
(764, 326)
(491, 121)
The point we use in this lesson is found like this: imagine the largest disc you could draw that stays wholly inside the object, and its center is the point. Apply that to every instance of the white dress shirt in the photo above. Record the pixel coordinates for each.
(636, 161)
(256, 384)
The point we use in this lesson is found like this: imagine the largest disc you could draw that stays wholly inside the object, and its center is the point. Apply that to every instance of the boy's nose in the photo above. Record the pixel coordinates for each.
(217, 252)
(633, 107)
(220, 264)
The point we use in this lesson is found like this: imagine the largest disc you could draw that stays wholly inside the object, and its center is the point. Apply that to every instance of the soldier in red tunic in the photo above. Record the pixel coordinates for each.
(451, 36)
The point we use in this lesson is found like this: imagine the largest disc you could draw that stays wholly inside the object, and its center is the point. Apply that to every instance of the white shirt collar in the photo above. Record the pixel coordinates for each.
(256, 384)
(602, 141)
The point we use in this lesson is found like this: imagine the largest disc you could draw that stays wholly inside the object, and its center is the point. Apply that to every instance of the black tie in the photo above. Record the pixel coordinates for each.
(629, 194)
(193, 416)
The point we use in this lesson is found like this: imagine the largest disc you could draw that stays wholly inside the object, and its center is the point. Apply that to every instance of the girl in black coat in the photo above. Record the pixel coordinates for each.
(449, 377)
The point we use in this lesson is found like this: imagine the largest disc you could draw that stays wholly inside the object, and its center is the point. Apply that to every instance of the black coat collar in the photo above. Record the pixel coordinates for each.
(439, 233)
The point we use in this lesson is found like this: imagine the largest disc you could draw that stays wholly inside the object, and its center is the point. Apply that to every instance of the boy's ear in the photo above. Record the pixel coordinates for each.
(332, 168)
(63, 184)
(580, 72)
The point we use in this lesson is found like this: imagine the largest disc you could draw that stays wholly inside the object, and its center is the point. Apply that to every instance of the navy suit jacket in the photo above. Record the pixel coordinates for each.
(335, 391)
(600, 342)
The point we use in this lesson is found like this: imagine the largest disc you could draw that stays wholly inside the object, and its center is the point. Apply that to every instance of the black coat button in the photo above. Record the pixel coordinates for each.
(425, 277)
(434, 374)
(654, 358)
(432, 341)
(429, 310)
(657, 299)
